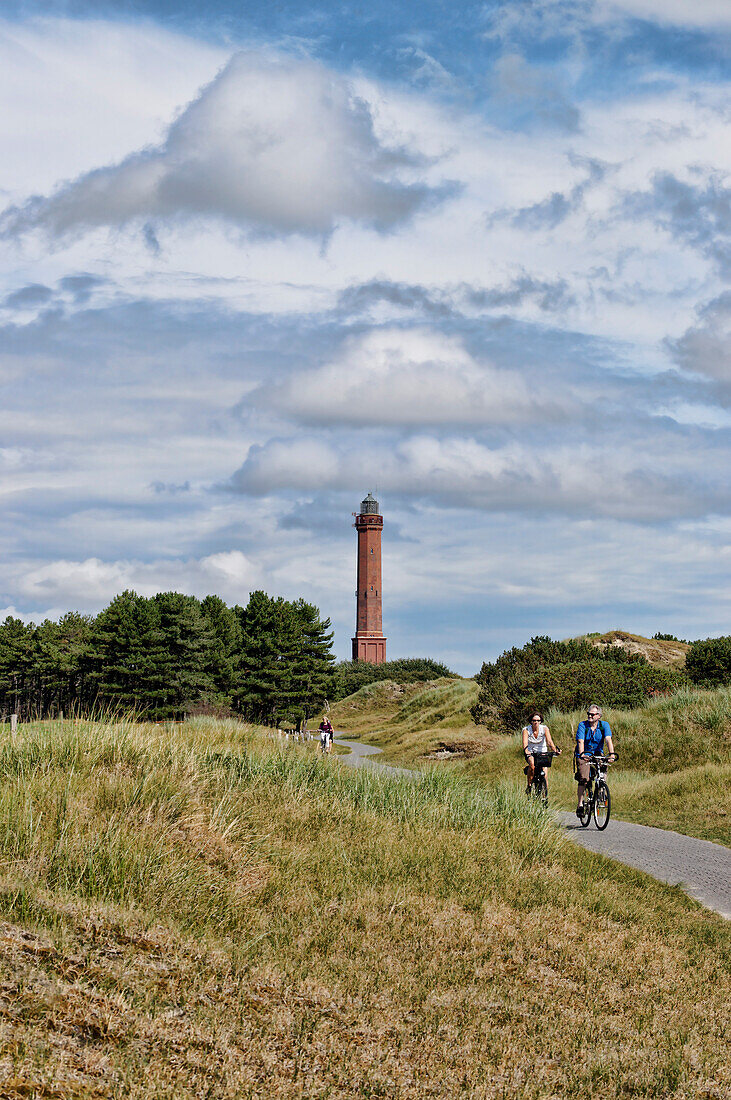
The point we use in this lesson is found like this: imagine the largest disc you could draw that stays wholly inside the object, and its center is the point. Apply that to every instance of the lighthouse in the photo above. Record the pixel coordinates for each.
(369, 643)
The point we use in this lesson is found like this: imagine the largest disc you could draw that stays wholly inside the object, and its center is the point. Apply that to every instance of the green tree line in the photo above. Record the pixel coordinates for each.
(169, 654)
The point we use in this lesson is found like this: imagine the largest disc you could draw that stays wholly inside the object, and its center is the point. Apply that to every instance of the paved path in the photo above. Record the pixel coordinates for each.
(360, 757)
(702, 869)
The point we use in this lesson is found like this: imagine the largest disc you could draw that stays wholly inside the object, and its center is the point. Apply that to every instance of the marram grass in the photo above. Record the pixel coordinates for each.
(197, 911)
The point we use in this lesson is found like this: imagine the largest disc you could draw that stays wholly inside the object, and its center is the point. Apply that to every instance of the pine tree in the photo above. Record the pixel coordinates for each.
(61, 659)
(225, 648)
(257, 687)
(182, 656)
(126, 643)
(16, 650)
(311, 668)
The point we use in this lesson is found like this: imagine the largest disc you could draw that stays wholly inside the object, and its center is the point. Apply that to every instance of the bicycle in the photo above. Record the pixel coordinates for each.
(539, 786)
(597, 799)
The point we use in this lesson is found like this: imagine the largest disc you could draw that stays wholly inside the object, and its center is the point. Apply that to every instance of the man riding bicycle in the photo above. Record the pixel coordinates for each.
(590, 738)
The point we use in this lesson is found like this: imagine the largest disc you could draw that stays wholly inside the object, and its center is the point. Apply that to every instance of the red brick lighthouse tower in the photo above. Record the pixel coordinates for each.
(369, 643)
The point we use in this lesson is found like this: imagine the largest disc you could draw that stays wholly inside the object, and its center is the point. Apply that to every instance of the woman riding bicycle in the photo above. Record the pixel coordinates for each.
(536, 739)
(326, 734)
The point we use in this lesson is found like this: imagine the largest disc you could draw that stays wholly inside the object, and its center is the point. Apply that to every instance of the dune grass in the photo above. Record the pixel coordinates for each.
(410, 720)
(674, 770)
(675, 752)
(197, 910)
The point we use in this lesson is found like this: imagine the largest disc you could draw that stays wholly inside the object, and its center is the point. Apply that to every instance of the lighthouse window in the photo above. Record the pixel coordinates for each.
(371, 549)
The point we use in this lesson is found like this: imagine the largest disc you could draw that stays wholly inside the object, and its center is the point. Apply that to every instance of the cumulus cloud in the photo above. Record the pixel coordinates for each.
(92, 582)
(409, 297)
(558, 205)
(546, 19)
(28, 297)
(537, 94)
(275, 144)
(702, 14)
(548, 294)
(76, 289)
(441, 303)
(395, 376)
(80, 287)
(586, 478)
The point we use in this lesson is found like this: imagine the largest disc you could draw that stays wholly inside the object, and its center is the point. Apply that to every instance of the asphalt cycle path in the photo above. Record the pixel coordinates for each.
(701, 868)
(360, 757)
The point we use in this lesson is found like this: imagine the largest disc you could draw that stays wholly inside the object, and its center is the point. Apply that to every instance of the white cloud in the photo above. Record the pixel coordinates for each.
(705, 14)
(611, 478)
(83, 92)
(395, 376)
(273, 143)
(521, 85)
(91, 583)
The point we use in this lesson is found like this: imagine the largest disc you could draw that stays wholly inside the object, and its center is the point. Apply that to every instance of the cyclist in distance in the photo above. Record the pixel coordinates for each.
(590, 738)
(326, 734)
(536, 738)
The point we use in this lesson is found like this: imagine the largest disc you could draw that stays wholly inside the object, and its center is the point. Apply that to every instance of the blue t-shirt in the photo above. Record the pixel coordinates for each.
(593, 740)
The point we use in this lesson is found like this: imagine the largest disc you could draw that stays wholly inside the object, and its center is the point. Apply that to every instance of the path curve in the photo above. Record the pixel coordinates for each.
(701, 868)
(360, 757)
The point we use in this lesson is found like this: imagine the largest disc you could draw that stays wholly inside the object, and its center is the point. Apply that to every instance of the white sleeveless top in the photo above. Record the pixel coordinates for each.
(536, 741)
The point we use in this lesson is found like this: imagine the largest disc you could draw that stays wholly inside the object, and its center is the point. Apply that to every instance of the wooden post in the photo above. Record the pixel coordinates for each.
(13, 724)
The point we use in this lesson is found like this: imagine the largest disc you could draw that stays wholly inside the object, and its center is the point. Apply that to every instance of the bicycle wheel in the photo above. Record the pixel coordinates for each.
(585, 816)
(602, 806)
(542, 790)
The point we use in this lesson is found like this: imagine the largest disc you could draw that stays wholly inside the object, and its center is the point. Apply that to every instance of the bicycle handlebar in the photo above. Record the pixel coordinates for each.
(598, 759)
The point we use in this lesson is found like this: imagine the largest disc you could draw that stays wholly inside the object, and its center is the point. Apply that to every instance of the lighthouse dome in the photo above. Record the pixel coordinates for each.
(369, 506)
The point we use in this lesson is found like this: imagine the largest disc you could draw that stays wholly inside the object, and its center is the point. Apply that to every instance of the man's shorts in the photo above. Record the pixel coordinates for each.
(582, 770)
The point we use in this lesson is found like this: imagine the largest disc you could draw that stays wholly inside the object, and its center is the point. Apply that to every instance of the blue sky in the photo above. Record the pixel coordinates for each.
(474, 257)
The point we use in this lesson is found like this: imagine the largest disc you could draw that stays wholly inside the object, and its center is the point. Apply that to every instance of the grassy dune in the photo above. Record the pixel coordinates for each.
(657, 651)
(197, 911)
(675, 762)
(410, 720)
(675, 768)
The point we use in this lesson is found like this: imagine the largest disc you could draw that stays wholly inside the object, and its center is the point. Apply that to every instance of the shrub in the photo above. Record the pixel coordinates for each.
(709, 661)
(574, 685)
(565, 675)
(350, 676)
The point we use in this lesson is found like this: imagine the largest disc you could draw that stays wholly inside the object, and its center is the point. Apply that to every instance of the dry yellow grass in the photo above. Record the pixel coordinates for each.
(656, 650)
(195, 912)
